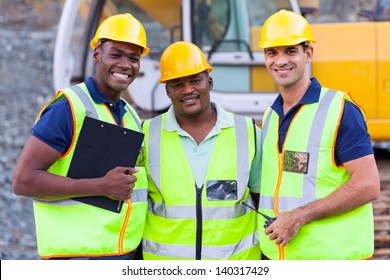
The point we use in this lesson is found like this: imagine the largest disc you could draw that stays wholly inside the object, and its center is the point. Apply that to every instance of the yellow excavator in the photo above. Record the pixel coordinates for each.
(352, 52)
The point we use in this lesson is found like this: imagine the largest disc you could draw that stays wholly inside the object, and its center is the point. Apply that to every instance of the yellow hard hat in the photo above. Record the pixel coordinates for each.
(285, 28)
(122, 28)
(182, 59)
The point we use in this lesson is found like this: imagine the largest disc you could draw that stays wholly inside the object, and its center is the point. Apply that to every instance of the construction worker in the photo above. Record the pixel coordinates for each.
(319, 174)
(203, 164)
(65, 228)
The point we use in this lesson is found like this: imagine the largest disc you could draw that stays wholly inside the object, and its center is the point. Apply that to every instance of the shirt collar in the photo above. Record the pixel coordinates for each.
(223, 120)
(96, 95)
(312, 95)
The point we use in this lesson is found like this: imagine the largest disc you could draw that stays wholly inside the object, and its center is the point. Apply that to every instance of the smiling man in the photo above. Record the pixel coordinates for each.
(67, 229)
(319, 174)
(202, 163)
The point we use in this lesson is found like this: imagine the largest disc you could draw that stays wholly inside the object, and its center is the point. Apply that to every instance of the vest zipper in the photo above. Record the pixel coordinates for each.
(199, 220)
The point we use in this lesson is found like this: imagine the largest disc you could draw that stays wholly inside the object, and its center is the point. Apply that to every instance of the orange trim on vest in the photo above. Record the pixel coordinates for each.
(124, 225)
(74, 125)
(109, 111)
(335, 135)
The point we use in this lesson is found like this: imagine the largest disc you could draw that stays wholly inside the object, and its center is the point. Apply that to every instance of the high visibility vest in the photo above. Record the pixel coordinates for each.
(305, 171)
(184, 221)
(67, 228)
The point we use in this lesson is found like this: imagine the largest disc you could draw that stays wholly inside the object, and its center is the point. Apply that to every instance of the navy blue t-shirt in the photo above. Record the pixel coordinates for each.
(353, 140)
(55, 126)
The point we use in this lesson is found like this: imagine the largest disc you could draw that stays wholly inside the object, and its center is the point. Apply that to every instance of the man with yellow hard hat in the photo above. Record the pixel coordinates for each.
(203, 167)
(66, 228)
(319, 174)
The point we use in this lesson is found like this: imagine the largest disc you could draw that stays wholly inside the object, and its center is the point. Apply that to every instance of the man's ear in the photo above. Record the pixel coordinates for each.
(95, 55)
(166, 90)
(211, 83)
(309, 54)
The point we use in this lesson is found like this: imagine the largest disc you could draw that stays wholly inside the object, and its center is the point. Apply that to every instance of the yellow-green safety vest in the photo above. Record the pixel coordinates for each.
(306, 171)
(183, 222)
(67, 228)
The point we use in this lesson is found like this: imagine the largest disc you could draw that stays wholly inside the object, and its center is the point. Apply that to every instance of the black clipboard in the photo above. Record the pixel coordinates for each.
(101, 147)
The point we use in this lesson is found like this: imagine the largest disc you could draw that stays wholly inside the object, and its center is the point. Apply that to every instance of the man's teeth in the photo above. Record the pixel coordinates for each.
(120, 75)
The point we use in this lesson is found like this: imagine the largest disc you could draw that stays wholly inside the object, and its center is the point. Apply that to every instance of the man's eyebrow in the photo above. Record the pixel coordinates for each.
(292, 48)
(287, 48)
(122, 51)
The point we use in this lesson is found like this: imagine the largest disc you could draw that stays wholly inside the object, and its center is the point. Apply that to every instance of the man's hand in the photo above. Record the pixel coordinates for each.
(285, 227)
(119, 183)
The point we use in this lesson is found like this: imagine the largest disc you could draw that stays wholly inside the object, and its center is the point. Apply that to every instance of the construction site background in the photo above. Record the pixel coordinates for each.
(27, 38)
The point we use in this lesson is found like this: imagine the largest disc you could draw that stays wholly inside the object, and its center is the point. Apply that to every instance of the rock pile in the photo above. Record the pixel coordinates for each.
(26, 43)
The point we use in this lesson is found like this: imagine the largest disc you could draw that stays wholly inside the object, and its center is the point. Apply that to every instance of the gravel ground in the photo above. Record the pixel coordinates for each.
(27, 37)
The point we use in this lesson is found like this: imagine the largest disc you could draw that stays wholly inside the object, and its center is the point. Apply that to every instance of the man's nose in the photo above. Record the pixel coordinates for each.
(281, 60)
(126, 62)
(188, 88)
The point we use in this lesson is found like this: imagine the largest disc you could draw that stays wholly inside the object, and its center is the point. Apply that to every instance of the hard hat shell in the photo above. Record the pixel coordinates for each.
(285, 28)
(122, 28)
(182, 59)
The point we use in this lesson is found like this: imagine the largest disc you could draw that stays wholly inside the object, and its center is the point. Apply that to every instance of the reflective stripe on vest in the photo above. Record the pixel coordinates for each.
(210, 213)
(242, 151)
(312, 133)
(138, 195)
(90, 109)
(246, 247)
(208, 252)
(68, 228)
(309, 191)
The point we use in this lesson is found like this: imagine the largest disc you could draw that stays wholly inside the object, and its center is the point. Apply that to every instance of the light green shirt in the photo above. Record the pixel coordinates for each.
(199, 156)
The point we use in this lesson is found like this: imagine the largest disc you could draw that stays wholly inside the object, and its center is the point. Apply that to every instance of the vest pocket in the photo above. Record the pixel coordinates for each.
(221, 190)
